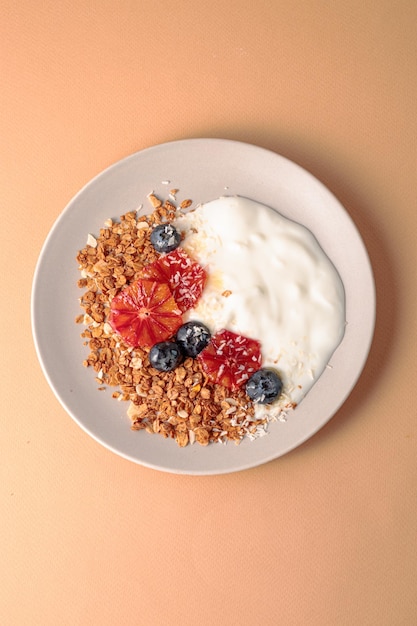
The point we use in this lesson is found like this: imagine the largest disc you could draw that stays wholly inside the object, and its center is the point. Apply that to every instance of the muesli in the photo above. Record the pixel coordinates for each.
(183, 404)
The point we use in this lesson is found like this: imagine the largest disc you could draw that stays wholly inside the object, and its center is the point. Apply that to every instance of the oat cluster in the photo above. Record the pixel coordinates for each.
(182, 404)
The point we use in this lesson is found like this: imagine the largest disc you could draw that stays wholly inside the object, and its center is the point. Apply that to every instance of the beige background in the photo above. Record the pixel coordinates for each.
(323, 536)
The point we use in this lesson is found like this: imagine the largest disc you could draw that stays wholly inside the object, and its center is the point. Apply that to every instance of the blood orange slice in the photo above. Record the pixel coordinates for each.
(145, 313)
(230, 359)
(185, 277)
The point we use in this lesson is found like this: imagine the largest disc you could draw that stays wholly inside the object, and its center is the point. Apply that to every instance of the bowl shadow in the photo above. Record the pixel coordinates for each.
(386, 285)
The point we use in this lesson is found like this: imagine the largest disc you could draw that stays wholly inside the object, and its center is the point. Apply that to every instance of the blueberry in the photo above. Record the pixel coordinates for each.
(192, 337)
(264, 386)
(165, 238)
(165, 356)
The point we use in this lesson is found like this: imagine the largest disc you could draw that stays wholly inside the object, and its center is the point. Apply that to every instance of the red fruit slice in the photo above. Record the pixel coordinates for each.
(145, 313)
(185, 277)
(230, 359)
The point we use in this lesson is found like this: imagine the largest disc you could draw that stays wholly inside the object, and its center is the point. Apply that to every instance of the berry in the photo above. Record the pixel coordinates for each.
(230, 359)
(264, 386)
(165, 238)
(192, 338)
(185, 277)
(165, 356)
(144, 313)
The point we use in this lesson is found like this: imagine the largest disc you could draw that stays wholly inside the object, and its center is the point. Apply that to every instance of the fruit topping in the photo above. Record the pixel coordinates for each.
(264, 386)
(165, 238)
(192, 338)
(185, 277)
(165, 356)
(145, 313)
(230, 359)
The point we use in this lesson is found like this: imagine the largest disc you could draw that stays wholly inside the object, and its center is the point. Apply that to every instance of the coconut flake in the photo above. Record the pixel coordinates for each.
(91, 241)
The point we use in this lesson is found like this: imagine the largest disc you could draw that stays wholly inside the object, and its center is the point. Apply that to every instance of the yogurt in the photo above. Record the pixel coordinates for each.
(268, 279)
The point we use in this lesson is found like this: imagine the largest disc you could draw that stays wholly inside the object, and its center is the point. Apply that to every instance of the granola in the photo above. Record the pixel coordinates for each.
(182, 404)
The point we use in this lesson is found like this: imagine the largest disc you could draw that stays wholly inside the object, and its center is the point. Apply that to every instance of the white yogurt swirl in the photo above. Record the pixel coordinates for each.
(270, 280)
